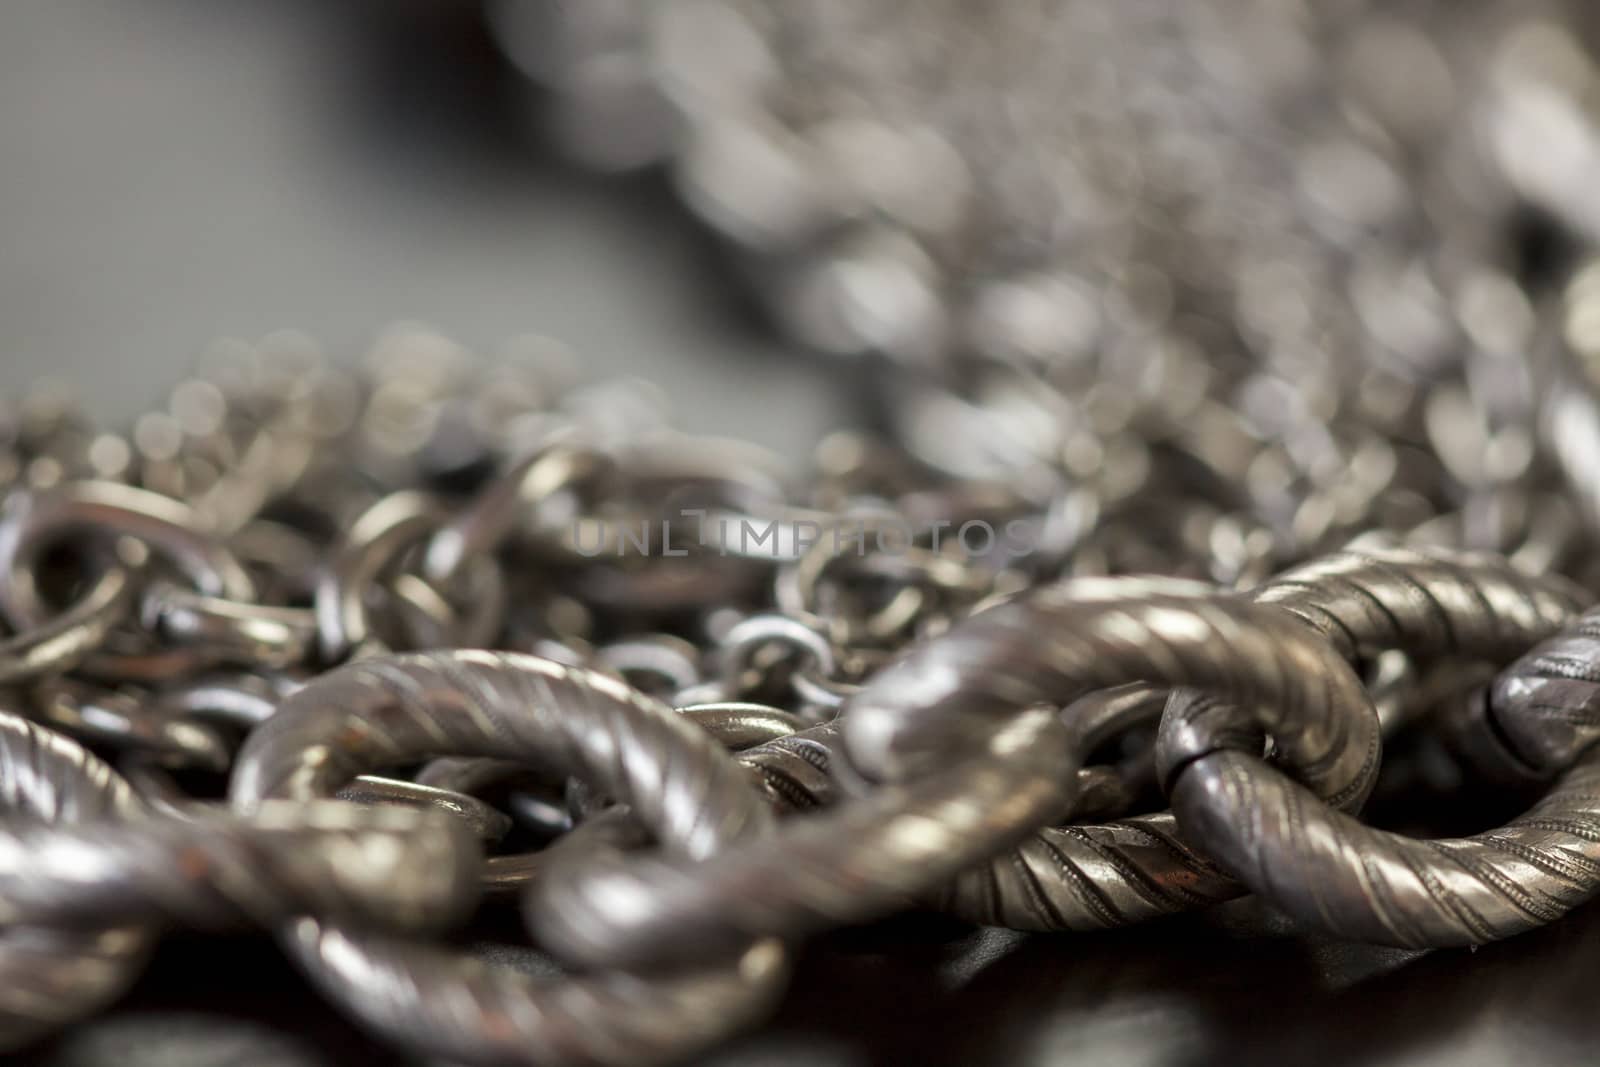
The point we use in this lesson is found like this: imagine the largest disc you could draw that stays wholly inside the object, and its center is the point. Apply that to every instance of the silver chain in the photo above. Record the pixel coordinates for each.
(1231, 429)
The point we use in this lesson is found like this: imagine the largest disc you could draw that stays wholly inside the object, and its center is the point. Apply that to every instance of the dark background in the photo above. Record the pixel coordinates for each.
(172, 171)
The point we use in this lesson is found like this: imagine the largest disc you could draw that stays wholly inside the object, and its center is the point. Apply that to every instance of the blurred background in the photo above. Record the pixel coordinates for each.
(174, 172)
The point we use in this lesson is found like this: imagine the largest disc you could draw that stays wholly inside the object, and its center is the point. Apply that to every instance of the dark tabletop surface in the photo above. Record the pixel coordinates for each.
(172, 171)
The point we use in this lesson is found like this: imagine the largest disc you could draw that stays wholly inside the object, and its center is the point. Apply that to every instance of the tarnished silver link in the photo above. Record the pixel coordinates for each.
(856, 861)
(1328, 870)
(385, 711)
(1431, 605)
(1060, 642)
(1332, 873)
(1544, 708)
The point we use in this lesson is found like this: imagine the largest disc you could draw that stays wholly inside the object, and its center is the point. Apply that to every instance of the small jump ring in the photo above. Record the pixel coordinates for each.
(373, 544)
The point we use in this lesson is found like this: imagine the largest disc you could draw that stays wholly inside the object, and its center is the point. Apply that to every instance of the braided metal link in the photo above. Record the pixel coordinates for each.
(790, 765)
(855, 861)
(560, 720)
(1433, 604)
(51, 976)
(794, 770)
(1080, 877)
(1334, 874)
(1090, 878)
(1546, 706)
(384, 712)
(1429, 603)
(1062, 641)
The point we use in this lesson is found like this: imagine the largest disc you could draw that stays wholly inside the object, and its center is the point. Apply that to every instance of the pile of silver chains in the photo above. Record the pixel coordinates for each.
(1236, 363)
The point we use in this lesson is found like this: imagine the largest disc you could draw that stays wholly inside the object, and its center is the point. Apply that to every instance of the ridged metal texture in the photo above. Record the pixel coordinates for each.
(562, 720)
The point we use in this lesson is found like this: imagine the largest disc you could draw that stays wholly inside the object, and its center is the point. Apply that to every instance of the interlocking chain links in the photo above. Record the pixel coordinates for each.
(947, 698)
(208, 868)
(791, 768)
(1334, 874)
(565, 721)
(1331, 872)
(1432, 606)
(1095, 876)
(1058, 642)
(51, 976)
(374, 544)
(1090, 876)
(1439, 612)
(860, 860)
(50, 642)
